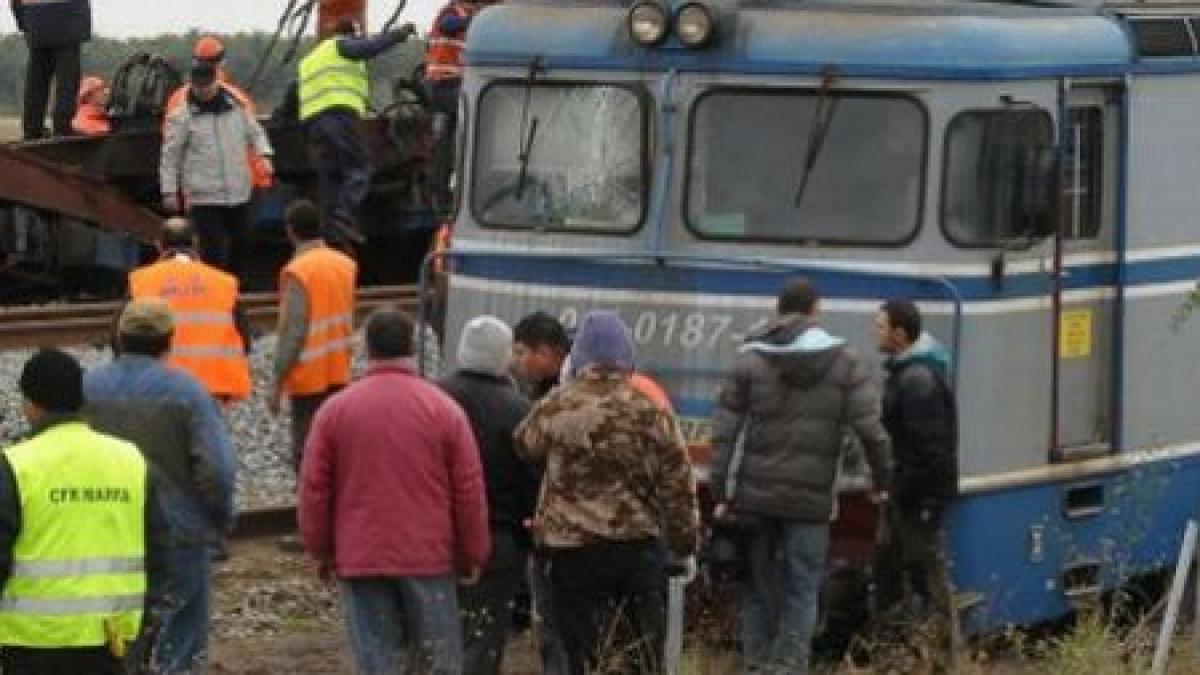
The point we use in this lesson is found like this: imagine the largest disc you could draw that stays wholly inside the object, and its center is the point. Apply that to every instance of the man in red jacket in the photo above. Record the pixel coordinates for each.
(392, 502)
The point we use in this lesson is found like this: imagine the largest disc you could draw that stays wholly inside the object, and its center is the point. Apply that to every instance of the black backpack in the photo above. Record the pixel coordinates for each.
(140, 89)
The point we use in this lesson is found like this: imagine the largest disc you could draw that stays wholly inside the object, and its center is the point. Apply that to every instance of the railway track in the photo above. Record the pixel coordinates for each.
(82, 323)
(267, 521)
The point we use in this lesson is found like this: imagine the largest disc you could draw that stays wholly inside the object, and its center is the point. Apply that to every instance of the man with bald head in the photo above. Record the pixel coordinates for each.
(210, 340)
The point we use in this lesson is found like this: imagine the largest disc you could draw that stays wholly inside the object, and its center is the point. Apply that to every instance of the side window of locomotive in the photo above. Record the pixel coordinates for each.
(805, 166)
(1082, 180)
(990, 171)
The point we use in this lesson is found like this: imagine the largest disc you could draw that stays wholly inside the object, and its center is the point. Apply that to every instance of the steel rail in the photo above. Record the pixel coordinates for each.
(83, 323)
(263, 522)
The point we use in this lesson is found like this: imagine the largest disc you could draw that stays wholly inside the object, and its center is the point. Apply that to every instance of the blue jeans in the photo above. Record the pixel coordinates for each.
(342, 162)
(403, 624)
(786, 563)
(179, 615)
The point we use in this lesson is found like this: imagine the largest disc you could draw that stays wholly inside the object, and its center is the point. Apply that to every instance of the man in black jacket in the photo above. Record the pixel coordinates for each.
(919, 413)
(54, 32)
(483, 389)
(793, 392)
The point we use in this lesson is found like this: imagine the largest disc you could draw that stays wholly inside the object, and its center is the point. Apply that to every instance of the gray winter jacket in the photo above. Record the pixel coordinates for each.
(798, 389)
(204, 151)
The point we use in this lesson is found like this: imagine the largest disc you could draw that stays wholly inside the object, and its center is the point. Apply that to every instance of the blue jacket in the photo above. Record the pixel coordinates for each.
(179, 428)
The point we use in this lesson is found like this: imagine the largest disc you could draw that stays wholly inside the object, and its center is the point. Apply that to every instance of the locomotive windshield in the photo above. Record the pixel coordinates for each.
(559, 156)
(750, 154)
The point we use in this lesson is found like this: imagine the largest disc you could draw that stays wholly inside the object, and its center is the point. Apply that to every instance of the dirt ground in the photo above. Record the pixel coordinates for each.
(271, 615)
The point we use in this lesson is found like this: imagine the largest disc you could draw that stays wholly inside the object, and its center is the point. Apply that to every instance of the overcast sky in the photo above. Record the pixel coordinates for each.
(126, 18)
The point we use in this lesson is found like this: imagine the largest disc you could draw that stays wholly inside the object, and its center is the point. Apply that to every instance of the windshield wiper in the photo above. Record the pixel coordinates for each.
(822, 119)
(528, 130)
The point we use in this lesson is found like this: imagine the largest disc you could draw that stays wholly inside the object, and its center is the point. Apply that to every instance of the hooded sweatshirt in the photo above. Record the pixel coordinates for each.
(797, 389)
(921, 417)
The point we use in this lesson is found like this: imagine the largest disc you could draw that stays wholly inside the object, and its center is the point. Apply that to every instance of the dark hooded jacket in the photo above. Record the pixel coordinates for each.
(797, 389)
(49, 25)
(919, 413)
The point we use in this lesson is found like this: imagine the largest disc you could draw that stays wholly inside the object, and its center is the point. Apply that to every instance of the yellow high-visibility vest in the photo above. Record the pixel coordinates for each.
(79, 560)
(329, 80)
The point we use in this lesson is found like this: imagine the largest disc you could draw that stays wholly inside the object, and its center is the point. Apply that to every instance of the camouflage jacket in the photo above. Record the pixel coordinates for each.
(617, 467)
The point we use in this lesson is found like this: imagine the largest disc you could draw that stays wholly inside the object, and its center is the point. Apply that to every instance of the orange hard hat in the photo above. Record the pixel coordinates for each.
(89, 87)
(208, 48)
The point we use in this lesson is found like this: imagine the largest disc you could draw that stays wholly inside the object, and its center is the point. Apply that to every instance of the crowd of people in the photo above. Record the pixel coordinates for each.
(541, 462)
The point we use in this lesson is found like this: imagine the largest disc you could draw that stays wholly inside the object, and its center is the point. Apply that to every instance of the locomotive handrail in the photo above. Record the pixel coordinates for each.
(666, 257)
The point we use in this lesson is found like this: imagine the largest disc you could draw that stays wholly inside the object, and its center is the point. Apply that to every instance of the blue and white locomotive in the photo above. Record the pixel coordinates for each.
(1030, 173)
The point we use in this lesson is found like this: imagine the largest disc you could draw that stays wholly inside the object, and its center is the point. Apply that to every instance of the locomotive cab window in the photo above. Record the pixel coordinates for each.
(1083, 158)
(805, 166)
(997, 181)
(563, 157)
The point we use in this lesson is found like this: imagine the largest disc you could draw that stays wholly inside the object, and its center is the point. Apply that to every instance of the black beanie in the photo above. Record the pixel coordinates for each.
(53, 380)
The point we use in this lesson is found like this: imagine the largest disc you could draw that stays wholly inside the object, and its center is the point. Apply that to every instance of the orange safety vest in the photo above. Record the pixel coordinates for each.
(443, 58)
(652, 390)
(260, 176)
(91, 120)
(206, 343)
(441, 242)
(328, 277)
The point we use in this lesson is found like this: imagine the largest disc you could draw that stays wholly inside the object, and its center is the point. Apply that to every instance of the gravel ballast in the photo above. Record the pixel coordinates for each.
(264, 477)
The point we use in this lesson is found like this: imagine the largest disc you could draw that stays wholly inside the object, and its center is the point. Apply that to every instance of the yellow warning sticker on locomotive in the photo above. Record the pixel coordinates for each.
(1075, 334)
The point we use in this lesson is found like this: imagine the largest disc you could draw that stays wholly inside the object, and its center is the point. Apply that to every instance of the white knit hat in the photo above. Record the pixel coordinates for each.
(485, 346)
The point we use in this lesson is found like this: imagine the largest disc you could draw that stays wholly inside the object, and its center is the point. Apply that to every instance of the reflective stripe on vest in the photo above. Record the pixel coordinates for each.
(205, 352)
(328, 279)
(68, 568)
(104, 604)
(203, 318)
(443, 57)
(329, 80)
(79, 559)
(206, 341)
(327, 348)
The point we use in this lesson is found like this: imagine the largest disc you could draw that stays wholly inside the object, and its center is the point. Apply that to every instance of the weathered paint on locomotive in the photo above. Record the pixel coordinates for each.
(1059, 498)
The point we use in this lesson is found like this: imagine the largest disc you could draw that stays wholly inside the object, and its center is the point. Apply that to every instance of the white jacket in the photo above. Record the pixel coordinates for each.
(206, 153)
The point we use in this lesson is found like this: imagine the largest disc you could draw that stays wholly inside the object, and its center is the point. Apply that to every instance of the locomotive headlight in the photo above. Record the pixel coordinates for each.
(693, 24)
(648, 23)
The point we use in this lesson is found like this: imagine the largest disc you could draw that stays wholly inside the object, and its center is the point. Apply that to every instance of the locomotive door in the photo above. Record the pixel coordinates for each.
(1086, 295)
